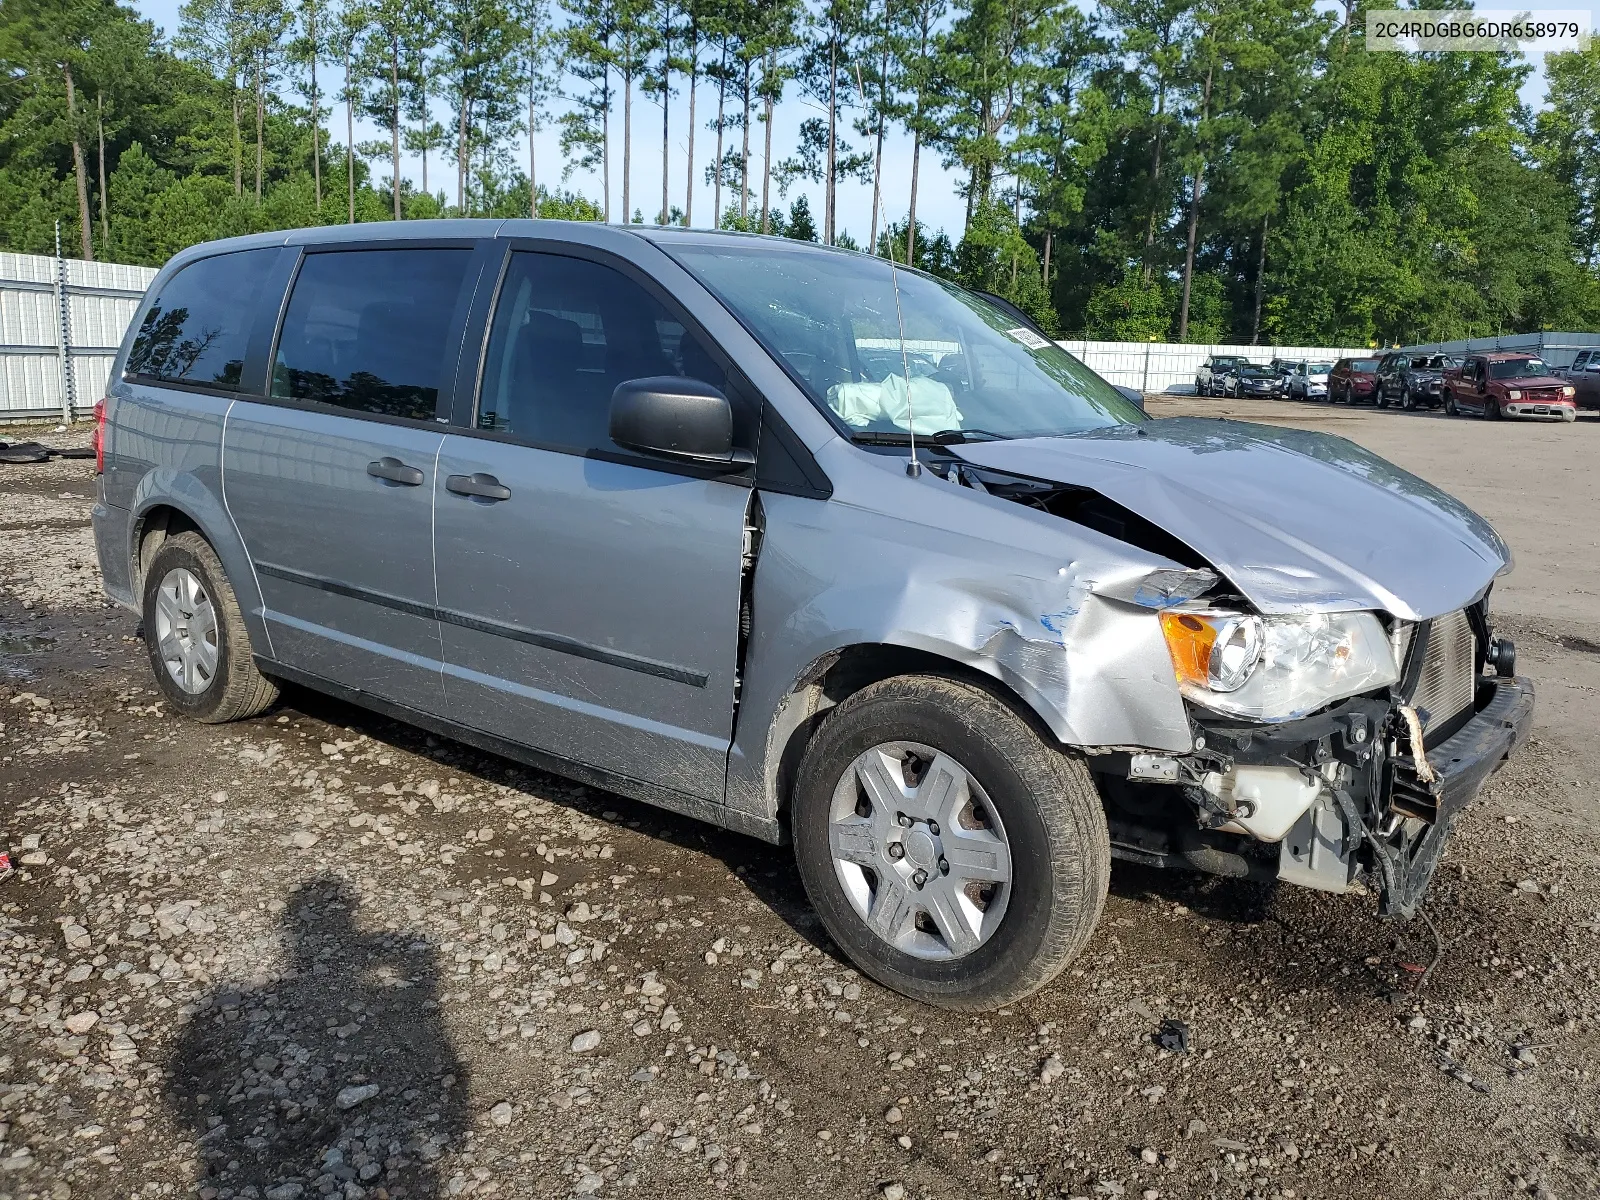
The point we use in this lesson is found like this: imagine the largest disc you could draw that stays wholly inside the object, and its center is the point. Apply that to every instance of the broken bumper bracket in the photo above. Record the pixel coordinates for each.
(1462, 763)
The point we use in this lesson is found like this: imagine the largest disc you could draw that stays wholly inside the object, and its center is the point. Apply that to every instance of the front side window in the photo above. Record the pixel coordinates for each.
(566, 332)
(366, 330)
(933, 359)
(198, 329)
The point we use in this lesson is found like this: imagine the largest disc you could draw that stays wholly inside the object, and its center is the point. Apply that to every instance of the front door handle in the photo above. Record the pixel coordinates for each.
(482, 485)
(395, 471)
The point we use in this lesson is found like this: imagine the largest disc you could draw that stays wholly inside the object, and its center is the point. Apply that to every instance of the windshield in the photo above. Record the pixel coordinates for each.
(1253, 372)
(975, 372)
(1517, 368)
(1319, 368)
(1365, 365)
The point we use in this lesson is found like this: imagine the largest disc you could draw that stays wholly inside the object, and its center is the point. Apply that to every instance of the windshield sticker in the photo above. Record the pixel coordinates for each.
(1028, 338)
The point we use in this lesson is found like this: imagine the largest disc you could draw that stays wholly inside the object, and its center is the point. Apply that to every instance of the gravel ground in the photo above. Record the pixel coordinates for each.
(321, 954)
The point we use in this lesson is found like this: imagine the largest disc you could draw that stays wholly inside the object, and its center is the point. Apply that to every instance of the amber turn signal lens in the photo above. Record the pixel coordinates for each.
(1190, 641)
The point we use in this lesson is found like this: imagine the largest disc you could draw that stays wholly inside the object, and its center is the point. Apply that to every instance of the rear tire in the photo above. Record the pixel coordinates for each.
(1041, 801)
(195, 634)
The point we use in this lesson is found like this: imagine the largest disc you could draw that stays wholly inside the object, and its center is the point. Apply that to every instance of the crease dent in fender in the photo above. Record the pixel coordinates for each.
(1088, 650)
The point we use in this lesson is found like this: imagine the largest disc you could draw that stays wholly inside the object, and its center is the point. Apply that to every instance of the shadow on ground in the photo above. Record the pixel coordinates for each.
(336, 1079)
(768, 871)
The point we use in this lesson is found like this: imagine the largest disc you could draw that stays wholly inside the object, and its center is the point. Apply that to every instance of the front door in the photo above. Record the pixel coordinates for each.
(331, 479)
(588, 596)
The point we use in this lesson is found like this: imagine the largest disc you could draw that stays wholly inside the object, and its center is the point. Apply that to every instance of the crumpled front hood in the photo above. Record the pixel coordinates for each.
(1297, 521)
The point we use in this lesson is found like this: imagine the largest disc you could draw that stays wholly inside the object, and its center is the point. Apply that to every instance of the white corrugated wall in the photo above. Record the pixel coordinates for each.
(101, 299)
(1164, 367)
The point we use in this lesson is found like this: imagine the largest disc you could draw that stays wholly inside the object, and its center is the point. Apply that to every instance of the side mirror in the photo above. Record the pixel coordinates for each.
(1132, 395)
(676, 417)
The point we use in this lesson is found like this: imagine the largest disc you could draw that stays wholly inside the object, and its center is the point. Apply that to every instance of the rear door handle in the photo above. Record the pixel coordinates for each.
(395, 471)
(482, 485)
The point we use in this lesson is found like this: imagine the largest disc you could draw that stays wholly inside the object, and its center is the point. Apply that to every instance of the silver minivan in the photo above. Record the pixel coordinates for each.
(811, 547)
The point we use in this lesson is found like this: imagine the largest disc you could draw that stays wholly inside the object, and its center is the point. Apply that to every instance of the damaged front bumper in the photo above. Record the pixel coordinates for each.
(1336, 802)
(1402, 847)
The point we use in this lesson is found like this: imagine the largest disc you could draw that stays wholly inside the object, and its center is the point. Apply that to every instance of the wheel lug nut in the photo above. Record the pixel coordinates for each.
(920, 878)
(905, 821)
(933, 828)
(944, 866)
(896, 850)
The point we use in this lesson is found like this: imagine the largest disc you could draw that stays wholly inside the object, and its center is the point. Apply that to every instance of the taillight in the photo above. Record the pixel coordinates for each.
(100, 436)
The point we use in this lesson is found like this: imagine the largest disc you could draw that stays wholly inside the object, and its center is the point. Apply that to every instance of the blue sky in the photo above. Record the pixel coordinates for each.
(938, 204)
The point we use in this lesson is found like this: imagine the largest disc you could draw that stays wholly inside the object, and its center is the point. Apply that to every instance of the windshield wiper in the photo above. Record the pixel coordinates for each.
(944, 437)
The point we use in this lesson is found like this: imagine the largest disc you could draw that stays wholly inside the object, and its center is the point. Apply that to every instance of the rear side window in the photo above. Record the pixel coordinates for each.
(366, 329)
(198, 328)
(566, 332)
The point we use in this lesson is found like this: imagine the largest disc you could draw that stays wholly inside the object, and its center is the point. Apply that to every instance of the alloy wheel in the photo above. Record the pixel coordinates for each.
(920, 851)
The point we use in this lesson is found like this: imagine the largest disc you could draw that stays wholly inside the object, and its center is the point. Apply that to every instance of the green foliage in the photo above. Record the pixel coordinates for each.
(993, 256)
(934, 253)
(1133, 309)
(799, 225)
(1335, 196)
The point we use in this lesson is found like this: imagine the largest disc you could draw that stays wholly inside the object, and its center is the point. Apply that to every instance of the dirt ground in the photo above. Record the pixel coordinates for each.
(320, 954)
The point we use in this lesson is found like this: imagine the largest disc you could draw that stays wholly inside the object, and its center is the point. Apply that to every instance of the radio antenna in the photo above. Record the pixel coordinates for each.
(914, 466)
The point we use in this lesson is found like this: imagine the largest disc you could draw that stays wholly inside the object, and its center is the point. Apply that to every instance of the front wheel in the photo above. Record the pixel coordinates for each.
(952, 852)
(1450, 409)
(194, 631)
(1408, 402)
(1381, 397)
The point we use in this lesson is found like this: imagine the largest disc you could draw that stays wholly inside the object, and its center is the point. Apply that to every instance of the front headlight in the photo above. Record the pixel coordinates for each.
(1513, 394)
(1276, 668)
(1569, 390)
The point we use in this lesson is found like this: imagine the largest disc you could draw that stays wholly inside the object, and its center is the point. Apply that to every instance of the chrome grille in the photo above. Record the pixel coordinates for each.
(1445, 688)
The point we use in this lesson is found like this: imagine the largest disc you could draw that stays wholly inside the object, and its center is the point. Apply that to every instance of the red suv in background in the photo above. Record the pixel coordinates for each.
(1352, 380)
(1508, 384)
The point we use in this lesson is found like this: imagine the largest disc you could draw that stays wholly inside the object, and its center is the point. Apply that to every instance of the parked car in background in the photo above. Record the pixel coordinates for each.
(1508, 383)
(1584, 376)
(1252, 379)
(1210, 379)
(1412, 380)
(599, 499)
(1352, 380)
(1308, 381)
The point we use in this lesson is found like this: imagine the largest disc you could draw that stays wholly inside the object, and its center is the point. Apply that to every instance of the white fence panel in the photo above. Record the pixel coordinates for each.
(1169, 367)
(100, 301)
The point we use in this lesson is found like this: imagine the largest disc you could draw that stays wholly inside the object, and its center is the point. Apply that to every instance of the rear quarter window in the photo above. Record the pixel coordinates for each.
(197, 330)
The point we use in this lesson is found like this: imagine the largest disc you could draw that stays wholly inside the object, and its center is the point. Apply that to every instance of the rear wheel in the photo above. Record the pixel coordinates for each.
(953, 853)
(194, 631)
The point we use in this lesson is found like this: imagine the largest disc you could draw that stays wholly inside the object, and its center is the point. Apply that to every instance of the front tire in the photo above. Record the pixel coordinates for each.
(930, 777)
(1450, 409)
(1381, 397)
(195, 634)
(1408, 402)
